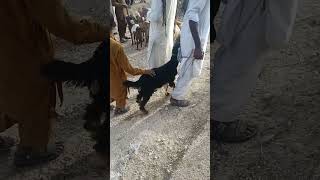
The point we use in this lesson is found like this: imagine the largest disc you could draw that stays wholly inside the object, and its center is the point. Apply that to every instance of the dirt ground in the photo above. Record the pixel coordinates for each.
(286, 106)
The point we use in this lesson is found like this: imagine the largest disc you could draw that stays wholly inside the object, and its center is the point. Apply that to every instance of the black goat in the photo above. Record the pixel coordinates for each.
(92, 74)
(165, 74)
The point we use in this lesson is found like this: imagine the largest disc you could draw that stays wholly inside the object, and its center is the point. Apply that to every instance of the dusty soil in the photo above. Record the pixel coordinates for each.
(286, 107)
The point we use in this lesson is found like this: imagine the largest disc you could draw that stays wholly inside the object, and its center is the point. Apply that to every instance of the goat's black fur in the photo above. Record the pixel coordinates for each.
(86, 74)
(165, 74)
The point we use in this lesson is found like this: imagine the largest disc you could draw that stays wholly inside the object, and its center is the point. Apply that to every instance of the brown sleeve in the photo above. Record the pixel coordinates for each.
(126, 66)
(53, 15)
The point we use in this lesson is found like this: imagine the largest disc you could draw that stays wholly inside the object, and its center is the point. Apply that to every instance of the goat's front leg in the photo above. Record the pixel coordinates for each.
(139, 97)
(172, 84)
(92, 116)
(143, 104)
(166, 89)
(131, 37)
(102, 139)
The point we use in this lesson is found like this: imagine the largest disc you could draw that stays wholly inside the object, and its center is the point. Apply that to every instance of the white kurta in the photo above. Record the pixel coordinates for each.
(244, 43)
(160, 36)
(189, 68)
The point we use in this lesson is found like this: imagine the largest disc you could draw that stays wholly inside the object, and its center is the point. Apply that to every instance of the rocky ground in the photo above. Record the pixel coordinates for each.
(286, 106)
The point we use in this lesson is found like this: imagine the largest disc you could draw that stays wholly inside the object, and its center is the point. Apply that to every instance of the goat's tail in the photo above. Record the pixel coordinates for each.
(75, 74)
(78, 74)
(132, 84)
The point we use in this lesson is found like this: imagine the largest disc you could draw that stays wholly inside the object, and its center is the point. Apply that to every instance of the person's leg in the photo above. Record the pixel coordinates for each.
(216, 5)
(120, 19)
(156, 56)
(234, 77)
(36, 140)
(122, 30)
(53, 100)
(121, 101)
(182, 86)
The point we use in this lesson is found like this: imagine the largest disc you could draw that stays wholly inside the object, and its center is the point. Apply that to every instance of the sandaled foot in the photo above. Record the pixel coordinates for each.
(179, 103)
(25, 158)
(119, 111)
(233, 132)
(122, 40)
(6, 143)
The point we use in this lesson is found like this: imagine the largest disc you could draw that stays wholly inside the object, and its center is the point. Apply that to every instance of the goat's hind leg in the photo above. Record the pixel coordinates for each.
(166, 89)
(93, 114)
(132, 38)
(139, 98)
(102, 138)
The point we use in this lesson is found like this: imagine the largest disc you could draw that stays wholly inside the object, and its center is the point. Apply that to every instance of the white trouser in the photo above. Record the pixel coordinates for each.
(184, 81)
(234, 77)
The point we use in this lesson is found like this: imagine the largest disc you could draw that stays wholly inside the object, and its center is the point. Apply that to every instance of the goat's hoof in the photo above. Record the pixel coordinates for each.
(101, 148)
(90, 126)
(144, 111)
(167, 94)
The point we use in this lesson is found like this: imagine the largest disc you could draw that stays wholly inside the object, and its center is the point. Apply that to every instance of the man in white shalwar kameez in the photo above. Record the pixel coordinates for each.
(161, 31)
(194, 36)
(245, 40)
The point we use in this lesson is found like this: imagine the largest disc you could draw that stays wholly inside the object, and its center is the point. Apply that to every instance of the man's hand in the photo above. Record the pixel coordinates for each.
(198, 54)
(150, 72)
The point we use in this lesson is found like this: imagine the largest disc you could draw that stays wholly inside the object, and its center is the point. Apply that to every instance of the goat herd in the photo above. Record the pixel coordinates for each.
(139, 28)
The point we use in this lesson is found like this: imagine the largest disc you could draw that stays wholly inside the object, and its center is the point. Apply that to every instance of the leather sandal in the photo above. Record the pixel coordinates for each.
(24, 158)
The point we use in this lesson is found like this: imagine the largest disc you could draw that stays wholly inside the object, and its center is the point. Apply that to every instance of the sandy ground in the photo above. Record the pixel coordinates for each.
(285, 105)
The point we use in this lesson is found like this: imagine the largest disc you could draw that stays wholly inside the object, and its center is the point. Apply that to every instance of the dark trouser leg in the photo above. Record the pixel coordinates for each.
(122, 27)
(216, 5)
